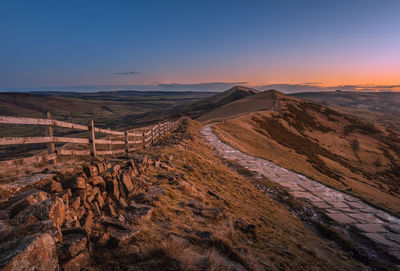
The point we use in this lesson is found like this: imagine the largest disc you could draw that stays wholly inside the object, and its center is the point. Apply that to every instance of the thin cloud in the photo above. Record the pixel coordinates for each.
(126, 73)
(315, 87)
(200, 86)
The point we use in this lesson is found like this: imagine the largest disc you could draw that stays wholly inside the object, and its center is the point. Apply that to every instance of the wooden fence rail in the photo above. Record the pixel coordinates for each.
(130, 140)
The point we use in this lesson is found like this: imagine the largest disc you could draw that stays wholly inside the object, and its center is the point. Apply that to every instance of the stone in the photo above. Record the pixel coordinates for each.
(115, 223)
(95, 180)
(380, 239)
(100, 200)
(75, 202)
(341, 218)
(110, 210)
(115, 169)
(138, 211)
(87, 221)
(71, 246)
(370, 227)
(25, 183)
(75, 183)
(33, 252)
(244, 226)
(53, 209)
(112, 188)
(91, 170)
(213, 194)
(46, 226)
(54, 186)
(6, 230)
(126, 182)
(101, 167)
(121, 238)
(122, 202)
(213, 213)
(32, 197)
(78, 263)
(203, 234)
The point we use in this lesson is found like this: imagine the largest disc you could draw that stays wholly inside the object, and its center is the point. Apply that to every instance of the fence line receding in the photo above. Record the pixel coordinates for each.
(131, 140)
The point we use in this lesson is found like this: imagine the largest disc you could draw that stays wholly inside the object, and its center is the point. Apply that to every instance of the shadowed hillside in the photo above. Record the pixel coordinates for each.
(380, 107)
(338, 150)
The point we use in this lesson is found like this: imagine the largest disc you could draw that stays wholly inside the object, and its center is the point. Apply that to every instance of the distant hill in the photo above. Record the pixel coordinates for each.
(194, 109)
(336, 149)
(380, 107)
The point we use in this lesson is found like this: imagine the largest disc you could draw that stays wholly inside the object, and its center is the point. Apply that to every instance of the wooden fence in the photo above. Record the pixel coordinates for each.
(130, 140)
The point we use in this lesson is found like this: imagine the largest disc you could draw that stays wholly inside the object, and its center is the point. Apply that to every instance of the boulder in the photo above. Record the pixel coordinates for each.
(33, 252)
(78, 263)
(32, 197)
(52, 209)
(91, 170)
(112, 188)
(138, 211)
(54, 186)
(126, 182)
(23, 184)
(87, 221)
(75, 183)
(71, 246)
(75, 202)
(46, 226)
(95, 180)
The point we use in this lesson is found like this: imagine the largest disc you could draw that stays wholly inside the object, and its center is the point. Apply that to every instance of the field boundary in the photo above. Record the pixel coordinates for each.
(131, 140)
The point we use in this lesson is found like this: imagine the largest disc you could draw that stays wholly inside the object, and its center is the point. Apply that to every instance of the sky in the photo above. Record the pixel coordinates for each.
(200, 45)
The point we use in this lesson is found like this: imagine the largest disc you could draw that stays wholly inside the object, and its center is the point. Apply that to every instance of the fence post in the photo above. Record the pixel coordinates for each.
(159, 130)
(126, 142)
(49, 132)
(152, 135)
(144, 141)
(165, 128)
(134, 139)
(109, 138)
(92, 139)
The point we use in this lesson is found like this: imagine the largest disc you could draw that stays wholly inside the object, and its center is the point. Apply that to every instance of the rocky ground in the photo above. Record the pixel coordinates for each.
(175, 206)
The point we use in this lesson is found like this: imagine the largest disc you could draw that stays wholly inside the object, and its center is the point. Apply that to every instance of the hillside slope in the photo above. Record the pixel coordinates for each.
(378, 107)
(193, 110)
(337, 150)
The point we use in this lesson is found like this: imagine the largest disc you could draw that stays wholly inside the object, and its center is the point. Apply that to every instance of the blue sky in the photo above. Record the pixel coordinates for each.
(74, 43)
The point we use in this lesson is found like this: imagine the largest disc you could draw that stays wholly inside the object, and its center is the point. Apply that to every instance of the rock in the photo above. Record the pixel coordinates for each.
(138, 211)
(96, 209)
(100, 200)
(126, 182)
(203, 234)
(32, 197)
(122, 203)
(75, 202)
(23, 184)
(78, 263)
(188, 167)
(91, 170)
(71, 246)
(95, 180)
(54, 186)
(213, 194)
(244, 226)
(115, 223)
(213, 213)
(115, 169)
(75, 183)
(53, 209)
(33, 252)
(87, 221)
(121, 238)
(110, 210)
(153, 193)
(46, 226)
(195, 204)
(101, 167)
(6, 230)
(112, 188)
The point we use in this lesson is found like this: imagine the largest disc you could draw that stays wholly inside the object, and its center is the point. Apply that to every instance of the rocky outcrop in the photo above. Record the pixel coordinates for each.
(51, 221)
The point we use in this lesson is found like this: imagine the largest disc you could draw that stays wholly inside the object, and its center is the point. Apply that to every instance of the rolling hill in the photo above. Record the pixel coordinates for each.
(380, 107)
(338, 150)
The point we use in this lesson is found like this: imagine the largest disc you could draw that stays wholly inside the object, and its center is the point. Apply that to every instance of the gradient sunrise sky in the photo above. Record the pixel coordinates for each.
(258, 43)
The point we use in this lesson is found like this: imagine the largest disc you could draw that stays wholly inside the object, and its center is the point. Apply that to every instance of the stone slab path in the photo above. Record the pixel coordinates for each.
(375, 224)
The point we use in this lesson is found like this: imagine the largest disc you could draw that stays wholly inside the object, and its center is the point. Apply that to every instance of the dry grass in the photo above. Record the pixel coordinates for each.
(314, 141)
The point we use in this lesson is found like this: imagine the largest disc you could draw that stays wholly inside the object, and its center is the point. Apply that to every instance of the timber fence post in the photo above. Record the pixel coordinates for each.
(92, 139)
(152, 135)
(144, 141)
(49, 132)
(126, 142)
(109, 138)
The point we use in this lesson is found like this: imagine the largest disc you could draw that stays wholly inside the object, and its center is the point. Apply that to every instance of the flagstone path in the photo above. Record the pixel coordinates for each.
(346, 210)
